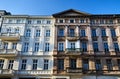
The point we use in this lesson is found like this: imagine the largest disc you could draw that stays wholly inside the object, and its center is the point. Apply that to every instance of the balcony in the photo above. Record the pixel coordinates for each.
(83, 38)
(9, 36)
(72, 37)
(73, 51)
(60, 38)
(7, 72)
(76, 70)
(8, 52)
(34, 72)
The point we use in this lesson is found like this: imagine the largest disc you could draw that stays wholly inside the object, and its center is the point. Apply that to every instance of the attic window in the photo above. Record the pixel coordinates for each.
(71, 21)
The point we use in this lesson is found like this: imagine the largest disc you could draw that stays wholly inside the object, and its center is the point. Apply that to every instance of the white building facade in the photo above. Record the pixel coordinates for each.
(27, 44)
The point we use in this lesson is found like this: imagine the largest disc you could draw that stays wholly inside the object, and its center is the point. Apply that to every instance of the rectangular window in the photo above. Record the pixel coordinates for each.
(38, 22)
(48, 22)
(37, 33)
(72, 63)
(47, 33)
(72, 46)
(60, 46)
(92, 21)
(93, 32)
(82, 33)
(36, 49)
(110, 21)
(103, 32)
(101, 21)
(61, 32)
(95, 47)
(61, 64)
(10, 21)
(106, 48)
(10, 66)
(82, 21)
(9, 30)
(5, 45)
(116, 46)
(71, 32)
(23, 65)
(84, 46)
(109, 64)
(29, 21)
(71, 21)
(1, 64)
(35, 61)
(26, 47)
(28, 33)
(14, 46)
(47, 45)
(17, 30)
(98, 64)
(85, 64)
(113, 33)
(46, 61)
(61, 21)
(118, 61)
(18, 21)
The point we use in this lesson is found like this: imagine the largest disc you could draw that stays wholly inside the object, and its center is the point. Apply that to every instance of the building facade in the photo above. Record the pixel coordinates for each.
(27, 44)
(67, 45)
(86, 46)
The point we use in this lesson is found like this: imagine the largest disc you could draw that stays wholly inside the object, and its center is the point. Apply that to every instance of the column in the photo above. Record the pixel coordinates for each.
(5, 66)
(66, 43)
(115, 65)
(66, 62)
(78, 44)
(55, 38)
(110, 42)
(100, 42)
(9, 45)
(104, 64)
(79, 62)
(91, 64)
(90, 46)
(66, 30)
(77, 31)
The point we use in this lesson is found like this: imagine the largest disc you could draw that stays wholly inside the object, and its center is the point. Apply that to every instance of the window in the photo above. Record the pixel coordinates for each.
(92, 21)
(109, 64)
(36, 49)
(23, 65)
(72, 46)
(84, 46)
(48, 22)
(103, 32)
(47, 45)
(37, 33)
(17, 30)
(82, 21)
(61, 64)
(60, 46)
(46, 61)
(9, 30)
(47, 33)
(110, 21)
(118, 61)
(10, 66)
(29, 21)
(106, 48)
(14, 45)
(85, 64)
(5, 45)
(10, 21)
(93, 32)
(1, 64)
(95, 47)
(61, 21)
(101, 21)
(113, 33)
(72, 63)
(26, 47)
(116, 46)
(83, 34)
(28, 33)
(118, 21)
(98, 64)
(61, 32)
(18, 21)
(71, 21)
(35, 61)
(71, 32)
(38, 22)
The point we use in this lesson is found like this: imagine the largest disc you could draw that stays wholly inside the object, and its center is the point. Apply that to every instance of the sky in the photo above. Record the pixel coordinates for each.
(49, 7)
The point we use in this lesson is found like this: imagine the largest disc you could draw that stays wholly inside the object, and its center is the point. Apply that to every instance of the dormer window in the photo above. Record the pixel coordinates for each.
(71, 20)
